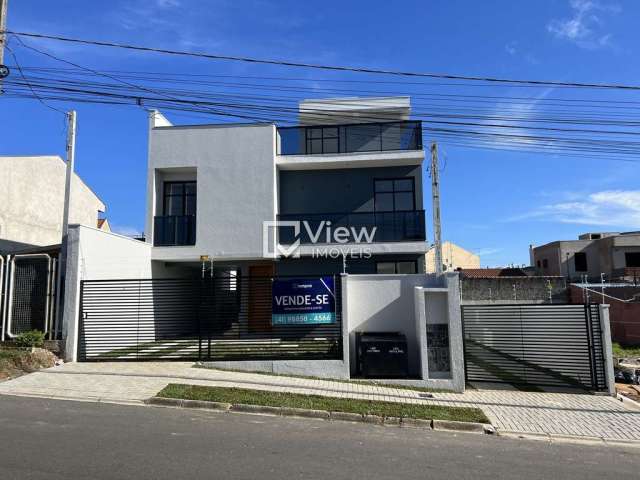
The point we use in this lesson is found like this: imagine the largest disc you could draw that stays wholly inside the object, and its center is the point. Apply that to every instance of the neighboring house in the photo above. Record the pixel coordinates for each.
(32, 198)
(103, 224)
(614, 254)
(453, 258)
(352, 164)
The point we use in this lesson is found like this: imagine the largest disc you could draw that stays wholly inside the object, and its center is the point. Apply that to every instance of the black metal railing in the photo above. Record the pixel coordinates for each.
(173, 230)
(399, 226)
(361, 137)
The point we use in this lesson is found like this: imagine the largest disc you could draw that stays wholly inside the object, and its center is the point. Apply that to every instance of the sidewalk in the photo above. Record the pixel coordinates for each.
(555, 414)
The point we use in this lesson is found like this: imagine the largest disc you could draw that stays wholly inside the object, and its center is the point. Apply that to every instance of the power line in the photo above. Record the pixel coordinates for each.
(211, 56)
(15, 59)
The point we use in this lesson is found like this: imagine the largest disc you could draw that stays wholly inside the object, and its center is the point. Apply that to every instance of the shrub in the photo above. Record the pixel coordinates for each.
(32, 338)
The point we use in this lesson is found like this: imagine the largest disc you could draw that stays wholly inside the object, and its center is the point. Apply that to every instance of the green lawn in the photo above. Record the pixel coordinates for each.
(620, 351)
(316, 402)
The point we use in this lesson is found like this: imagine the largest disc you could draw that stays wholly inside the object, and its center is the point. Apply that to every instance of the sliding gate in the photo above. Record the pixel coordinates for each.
(226, 317)
(531, 345)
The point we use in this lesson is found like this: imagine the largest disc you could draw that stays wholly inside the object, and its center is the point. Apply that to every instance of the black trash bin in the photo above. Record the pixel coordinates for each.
(382, 355)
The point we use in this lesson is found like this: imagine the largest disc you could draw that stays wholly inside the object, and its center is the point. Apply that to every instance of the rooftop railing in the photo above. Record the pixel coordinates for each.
(361, 137)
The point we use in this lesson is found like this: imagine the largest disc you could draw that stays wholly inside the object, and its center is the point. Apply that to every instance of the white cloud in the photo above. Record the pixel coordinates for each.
(167, 3)
(584, 27)
(487, 252)
(613, 208)
(511, 48)
(126, 230)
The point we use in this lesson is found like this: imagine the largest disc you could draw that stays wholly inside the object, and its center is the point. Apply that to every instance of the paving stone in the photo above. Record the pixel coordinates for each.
(535, 413)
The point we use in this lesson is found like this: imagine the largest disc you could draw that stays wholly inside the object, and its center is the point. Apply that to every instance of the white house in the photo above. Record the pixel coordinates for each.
(32, 198)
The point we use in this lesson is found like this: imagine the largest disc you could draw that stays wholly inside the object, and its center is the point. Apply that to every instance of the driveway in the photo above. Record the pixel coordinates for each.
(546, 415)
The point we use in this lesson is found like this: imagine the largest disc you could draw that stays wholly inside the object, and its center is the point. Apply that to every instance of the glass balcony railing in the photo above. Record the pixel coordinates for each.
(398, 226)
(174, 230)
(361, 137)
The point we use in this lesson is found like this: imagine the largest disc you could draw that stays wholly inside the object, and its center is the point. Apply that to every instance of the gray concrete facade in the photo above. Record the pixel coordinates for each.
(339, 190)
(606, 254)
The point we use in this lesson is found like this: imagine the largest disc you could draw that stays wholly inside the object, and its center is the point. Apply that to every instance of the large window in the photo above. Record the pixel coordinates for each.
(179, 198)
(391, 268)
(394, 194)
(632, 259)
(580, 261)
(322, 140)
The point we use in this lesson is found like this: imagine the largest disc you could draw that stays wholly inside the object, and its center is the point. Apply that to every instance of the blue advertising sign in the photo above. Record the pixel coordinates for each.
(303, 301)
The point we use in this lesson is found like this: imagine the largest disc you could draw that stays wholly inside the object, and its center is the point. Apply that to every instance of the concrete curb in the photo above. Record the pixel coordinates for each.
(574, 439)
(458, 426)
(324, 415)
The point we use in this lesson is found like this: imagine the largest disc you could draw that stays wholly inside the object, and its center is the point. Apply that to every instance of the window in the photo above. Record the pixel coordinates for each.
(632, 259)
(580, 261)
(394, 194)
(545, 263)
(402, 267)
(323, 140)
(538, 263)
(179, 198)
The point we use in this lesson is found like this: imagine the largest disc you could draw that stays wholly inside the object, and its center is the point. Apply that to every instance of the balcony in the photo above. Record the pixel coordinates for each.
(398, 226)
(354, 138)
(174, 230)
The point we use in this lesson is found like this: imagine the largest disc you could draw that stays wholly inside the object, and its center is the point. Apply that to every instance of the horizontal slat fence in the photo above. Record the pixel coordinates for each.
(535, 345)
(219, 318)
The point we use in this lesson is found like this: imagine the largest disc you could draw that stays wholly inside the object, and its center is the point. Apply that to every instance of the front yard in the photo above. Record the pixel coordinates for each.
(15, 362)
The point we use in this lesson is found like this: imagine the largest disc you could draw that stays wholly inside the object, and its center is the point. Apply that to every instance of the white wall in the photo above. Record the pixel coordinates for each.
(93, 254)
(235, 173)
(32, 198)
(385, 303)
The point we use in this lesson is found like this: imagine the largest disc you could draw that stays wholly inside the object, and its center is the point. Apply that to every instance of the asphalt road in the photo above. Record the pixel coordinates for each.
(55, 439)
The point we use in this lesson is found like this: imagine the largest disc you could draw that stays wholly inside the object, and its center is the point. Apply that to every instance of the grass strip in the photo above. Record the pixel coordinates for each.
(317, 402)
(625, 351)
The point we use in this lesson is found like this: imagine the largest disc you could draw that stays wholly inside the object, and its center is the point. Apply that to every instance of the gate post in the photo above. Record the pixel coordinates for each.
(72, 297)
(607, 349)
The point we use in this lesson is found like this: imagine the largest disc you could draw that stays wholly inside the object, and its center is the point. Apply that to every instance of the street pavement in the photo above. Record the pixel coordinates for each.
(556, 416)
(62, 439)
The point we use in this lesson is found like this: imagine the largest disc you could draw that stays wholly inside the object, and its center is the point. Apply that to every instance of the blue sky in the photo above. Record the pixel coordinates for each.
(494, 202)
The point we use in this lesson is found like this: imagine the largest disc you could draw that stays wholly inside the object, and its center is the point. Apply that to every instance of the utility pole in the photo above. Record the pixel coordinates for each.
(435, 193)
(71, 153)
(64, 246)
(4, 6)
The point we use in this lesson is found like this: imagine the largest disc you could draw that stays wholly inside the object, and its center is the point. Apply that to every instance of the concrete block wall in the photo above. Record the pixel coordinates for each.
(501, 289)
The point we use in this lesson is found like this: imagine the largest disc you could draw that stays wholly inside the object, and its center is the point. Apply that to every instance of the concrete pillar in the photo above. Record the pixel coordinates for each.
(607, 349)
(70, 314)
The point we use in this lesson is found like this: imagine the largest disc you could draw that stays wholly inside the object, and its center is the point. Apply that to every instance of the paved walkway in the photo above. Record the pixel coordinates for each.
(552, 414)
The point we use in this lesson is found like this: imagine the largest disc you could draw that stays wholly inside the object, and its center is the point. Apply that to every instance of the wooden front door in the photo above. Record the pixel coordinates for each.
(260, 277)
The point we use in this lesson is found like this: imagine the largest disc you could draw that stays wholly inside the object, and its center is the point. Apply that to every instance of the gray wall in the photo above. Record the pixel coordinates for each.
(385, 303)
(316, 191)
(229, 219)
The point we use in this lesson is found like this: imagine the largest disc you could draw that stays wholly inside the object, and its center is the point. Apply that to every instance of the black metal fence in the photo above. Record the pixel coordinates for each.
(225, 317)
(534, 345)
